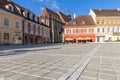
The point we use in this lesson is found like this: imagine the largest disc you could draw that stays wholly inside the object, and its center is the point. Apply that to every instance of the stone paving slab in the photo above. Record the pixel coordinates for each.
(51, 62)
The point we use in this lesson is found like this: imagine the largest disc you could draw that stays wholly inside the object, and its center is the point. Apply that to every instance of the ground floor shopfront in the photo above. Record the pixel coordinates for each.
(32, 39)
(80, 38)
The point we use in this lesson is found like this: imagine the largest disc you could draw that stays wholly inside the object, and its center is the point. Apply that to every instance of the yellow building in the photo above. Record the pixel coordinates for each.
(10, 24)
(21, 26)
(108, 24)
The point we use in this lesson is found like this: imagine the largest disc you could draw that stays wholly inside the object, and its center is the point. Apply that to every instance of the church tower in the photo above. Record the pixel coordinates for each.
(68, 14)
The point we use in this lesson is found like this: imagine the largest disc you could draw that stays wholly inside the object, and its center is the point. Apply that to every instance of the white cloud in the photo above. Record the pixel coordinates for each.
(55, 5)
(44, 0)
(50, 4)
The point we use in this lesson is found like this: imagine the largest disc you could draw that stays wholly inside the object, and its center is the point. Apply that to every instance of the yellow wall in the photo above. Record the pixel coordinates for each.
(106, 19)
(12, 30)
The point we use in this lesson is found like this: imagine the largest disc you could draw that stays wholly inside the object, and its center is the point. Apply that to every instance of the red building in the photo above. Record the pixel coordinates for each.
(80, 29)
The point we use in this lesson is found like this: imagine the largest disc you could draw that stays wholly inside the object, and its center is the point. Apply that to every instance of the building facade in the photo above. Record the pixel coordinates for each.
(10, 24)
(80, 29)
(108, 24)
(20, 26)
(55, 21)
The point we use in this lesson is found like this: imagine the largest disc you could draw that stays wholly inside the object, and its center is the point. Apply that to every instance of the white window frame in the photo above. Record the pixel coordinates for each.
(74, 30)
(85, 30)
(119, 21)
(17, 25)
(6, 22)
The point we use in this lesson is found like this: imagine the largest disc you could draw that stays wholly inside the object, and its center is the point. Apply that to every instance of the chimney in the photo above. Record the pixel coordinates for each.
(118, 9)
(9, 0)
(74, 15)
(100, 9)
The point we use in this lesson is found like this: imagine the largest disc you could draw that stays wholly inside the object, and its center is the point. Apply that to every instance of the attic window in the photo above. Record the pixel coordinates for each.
(83, 22)
(9, 7)
(75, 22)
(25, 14)
(39, 20)
(36, 18)
(31, 16)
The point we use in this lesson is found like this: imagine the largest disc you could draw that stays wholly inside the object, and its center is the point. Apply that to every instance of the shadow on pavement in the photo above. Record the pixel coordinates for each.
(16, 52)
(10, 47)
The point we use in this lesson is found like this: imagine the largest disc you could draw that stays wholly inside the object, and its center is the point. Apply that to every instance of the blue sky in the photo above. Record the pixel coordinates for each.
(80, 7)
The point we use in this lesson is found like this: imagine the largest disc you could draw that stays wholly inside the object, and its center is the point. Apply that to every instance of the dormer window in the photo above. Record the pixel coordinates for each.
(31, 16)
(75, 22)
(36, 18)
(9, 7)
(39, 20)
(83, 22)
(25, 14)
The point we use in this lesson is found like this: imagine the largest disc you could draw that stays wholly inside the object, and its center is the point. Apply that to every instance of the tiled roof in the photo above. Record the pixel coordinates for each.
(63, 17)
(84, 20)
(106, 12)
(49, 13)
(3, 4)
(57, 16)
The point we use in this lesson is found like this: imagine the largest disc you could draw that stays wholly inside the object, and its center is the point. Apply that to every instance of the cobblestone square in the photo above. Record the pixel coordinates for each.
(90, 61)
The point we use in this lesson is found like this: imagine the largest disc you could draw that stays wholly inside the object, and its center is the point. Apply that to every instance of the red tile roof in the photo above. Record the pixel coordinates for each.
(59, 16)
(63, 17)
(106, 12)
(49, 13)
(84, 20)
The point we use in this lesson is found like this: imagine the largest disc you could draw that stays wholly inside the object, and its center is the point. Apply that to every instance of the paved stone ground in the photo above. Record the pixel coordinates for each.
(61, 62)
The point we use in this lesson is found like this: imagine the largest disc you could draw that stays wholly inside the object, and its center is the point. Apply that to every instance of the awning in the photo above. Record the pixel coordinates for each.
(69, 39)
(80, 38)
(87, 38)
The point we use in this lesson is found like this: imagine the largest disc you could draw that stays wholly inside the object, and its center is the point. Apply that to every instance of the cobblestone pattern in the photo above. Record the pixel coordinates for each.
(105, 64)
(44, 63)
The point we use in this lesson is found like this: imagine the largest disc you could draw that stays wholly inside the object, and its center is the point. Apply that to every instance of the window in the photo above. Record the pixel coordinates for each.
(36, 18)
(6, 22)
(98, 21)
(103, 22)
(109, 21)
(75, 22)
(112, 29)
(118, 21)
(6, 36)
(74, 30)
(117, 29)
(85, 30)
(118, 38)
(108, 29)
(0, 35)
(91, 30)
(17, 25)
(114, 22)
(68, 31)
(25, 14)
(79, 30)
(31, 28)
(103, 30)
(10, 8)
(26, 27)
(98, 30)
(109, 38)
(31, 16)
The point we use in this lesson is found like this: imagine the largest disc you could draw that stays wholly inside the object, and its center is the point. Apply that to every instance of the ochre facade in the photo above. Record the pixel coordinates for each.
(15, 34)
